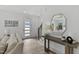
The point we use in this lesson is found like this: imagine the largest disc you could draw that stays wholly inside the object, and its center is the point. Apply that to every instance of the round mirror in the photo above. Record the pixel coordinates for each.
(58, 23)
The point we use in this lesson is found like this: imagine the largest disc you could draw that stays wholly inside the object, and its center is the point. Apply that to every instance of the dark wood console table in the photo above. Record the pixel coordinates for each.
(68, 47)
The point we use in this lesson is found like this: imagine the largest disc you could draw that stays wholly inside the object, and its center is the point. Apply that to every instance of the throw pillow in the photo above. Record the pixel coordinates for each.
(3, 47)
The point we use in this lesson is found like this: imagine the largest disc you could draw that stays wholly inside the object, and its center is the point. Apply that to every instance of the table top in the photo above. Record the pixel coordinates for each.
(60, 41)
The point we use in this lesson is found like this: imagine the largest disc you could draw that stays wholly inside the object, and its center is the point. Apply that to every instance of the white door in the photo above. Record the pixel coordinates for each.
(27, 28)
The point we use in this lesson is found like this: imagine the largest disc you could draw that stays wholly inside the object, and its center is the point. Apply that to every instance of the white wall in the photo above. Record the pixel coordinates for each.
(10, 16)
(6, 15)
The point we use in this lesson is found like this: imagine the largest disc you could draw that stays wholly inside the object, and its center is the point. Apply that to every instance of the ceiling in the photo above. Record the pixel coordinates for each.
(22, 9)
(33, 9)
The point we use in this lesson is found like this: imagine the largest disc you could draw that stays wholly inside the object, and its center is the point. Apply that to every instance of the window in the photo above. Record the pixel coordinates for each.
(27, 26)
(11, 23)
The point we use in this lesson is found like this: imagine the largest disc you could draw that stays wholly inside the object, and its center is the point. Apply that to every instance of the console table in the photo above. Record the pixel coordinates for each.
(68, 47)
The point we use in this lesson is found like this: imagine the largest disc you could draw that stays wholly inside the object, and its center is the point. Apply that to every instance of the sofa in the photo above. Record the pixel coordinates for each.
(11, 44)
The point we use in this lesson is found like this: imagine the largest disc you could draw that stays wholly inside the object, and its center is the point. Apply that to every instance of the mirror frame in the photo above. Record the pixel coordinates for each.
(52, 24)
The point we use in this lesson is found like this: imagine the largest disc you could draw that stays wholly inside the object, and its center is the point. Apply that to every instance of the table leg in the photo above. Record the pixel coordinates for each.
(44, 44)
(71, 50)
(48, 46)
(68, 50)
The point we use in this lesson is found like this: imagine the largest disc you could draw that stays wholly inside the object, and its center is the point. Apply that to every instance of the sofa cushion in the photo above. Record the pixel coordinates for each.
(3, 47)
(5, 38)
(19, 39)
(1, 36)
(12, 41)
